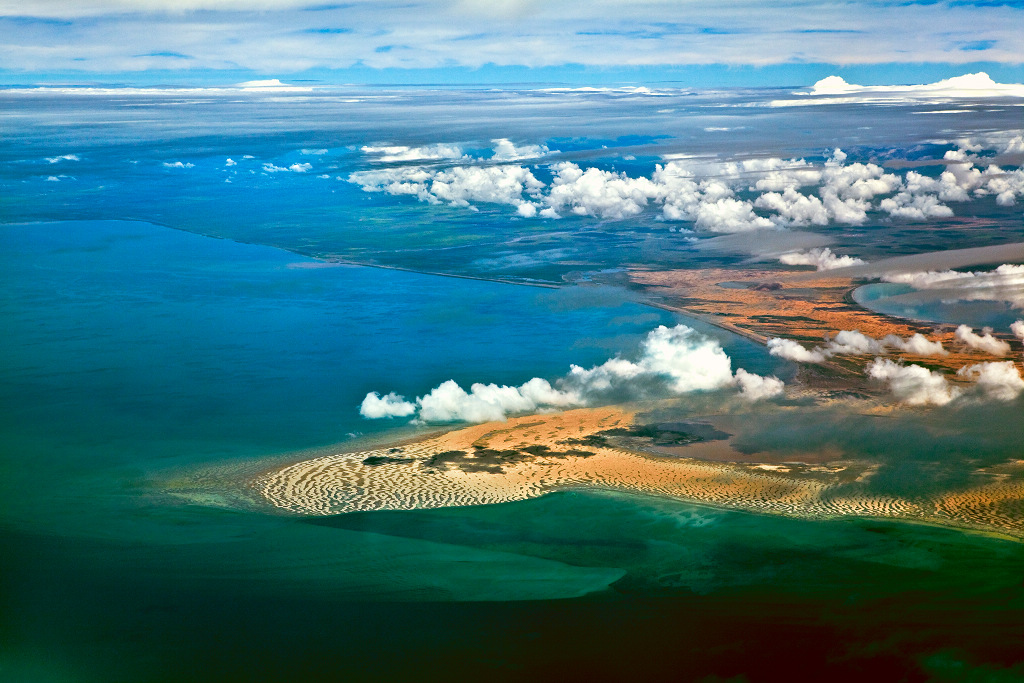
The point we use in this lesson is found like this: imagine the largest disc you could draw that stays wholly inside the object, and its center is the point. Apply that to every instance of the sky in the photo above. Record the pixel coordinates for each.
(727, 42)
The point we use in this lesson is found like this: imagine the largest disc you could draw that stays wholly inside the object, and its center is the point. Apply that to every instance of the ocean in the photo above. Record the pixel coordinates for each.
(166, 335)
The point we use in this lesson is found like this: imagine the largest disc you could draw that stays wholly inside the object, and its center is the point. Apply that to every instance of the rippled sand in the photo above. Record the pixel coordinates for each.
(485, 464)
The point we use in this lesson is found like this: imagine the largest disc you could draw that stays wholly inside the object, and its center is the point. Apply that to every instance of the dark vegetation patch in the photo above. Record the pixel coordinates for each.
(375, 460)
(443, 459)
(664, 434)
(483, 459)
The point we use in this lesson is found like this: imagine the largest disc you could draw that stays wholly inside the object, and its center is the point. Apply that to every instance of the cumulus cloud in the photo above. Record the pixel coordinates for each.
(594, 192)
(1017, 327)
(917, 345)
(708, 192)
(687, 360)
(791, 350)
(982, 342)
(449, 402)
(757, 387)
(178, 164)
(822, 259)
(793, 209)
(294, 168)
(915, 207)
(729, 215)
(458, 186)
(913, 384)
(672, 361)
(999, 381)
(63, 157)
(854, 343)
(505, 150)
(392, 405)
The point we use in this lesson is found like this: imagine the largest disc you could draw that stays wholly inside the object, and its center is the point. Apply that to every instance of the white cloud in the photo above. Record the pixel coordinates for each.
(687, 360)
(1000, 381)
(398, 153)
(917, 345)
(63, 157)
(913, 384)
(313, 152)
(672, 361)
(789, 174)
(856, 181)
(915, 207)
(594, 192)
(969, 85)
(835, 90)
(449, 402)
(230, 162)
(1005, 283)
(391, 405)
(793, 208)
(294, 168)
(495, 184)
(458, 185)
(982, 342)
(271, 85)
(1017, 327)
(822, 259)
(791, 350)
(178, 164)
(505, 150)
(705, 191)
(729, 215)
(757, 387)
(854, 343)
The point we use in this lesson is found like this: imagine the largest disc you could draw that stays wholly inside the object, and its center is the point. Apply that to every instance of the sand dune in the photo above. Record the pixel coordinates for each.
(530, 456)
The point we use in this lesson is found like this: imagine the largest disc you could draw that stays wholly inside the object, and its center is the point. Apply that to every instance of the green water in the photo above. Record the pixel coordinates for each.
(634, 587)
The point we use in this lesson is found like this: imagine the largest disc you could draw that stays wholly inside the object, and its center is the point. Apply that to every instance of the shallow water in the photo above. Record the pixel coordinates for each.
(903, 301)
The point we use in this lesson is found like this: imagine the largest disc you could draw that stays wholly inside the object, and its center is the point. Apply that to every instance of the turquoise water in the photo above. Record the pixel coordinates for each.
(903, 301)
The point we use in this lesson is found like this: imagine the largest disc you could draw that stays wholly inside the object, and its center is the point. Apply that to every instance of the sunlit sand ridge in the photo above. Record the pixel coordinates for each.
(529, 456)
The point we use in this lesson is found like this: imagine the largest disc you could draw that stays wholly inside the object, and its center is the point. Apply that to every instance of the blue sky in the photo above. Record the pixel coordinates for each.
(729, 42)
